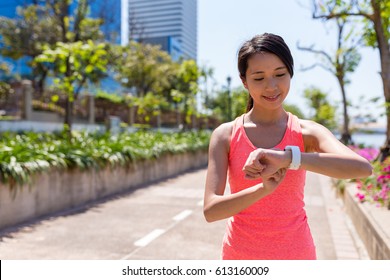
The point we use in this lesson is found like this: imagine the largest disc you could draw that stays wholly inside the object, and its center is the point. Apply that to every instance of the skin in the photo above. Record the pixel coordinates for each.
(268, 82)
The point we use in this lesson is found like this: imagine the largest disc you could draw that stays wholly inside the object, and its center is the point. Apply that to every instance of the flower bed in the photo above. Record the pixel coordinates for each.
(375, 188)
(367, 202)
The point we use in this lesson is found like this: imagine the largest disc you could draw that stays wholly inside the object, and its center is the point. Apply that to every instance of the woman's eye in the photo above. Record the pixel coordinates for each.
(259, 79)
(280, 75)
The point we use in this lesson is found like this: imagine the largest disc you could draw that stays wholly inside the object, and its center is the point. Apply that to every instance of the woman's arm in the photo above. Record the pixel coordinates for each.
(327, 155)
(323, 154)
(218, 206)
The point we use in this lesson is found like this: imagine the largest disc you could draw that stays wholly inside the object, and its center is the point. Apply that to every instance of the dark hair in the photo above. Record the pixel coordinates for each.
(266, 42)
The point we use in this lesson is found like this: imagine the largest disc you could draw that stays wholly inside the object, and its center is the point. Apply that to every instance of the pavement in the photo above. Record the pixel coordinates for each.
(164, 221)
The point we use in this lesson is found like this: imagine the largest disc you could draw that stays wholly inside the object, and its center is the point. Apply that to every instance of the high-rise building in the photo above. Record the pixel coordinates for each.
(169, 23)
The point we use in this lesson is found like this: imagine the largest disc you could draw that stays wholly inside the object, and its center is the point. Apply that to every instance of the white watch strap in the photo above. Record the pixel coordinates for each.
(296, 157)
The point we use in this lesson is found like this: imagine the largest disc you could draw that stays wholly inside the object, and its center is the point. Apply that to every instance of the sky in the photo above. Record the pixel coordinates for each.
(223, 25)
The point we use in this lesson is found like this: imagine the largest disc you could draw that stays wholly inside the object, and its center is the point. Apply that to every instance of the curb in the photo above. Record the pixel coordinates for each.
(372, 223)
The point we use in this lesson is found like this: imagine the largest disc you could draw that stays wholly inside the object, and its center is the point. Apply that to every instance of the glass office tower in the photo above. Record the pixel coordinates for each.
(170, 23)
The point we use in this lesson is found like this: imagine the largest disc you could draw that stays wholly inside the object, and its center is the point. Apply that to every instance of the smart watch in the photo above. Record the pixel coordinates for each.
(296, 157)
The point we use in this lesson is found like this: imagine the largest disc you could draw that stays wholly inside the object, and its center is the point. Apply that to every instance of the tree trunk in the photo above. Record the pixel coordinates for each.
(385, 149)
(68, 117)
(384, 52)
(131, 115)
(345, 134)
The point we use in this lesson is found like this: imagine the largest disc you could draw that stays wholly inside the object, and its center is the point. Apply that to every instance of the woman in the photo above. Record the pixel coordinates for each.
(264, 154)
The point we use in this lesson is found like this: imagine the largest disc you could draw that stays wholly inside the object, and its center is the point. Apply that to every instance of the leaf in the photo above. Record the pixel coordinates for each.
(55, 98)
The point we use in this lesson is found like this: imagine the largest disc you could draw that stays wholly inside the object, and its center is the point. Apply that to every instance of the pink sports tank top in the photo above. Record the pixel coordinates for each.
(275, 227)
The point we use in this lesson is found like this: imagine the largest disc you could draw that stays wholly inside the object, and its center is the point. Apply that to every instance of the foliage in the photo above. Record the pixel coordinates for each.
(185, 87)
(341, 62)
(294, 110)
(24, 35)
(144, 67)
(43, 25)
(375, 18)
(5, 88)
(239, 102)
(73, 65)
(22, 155)
(365, 9)
(49, 107)
(220, 103)
(154, 77)
(324, 112)
(206, 75)
(375, 188)
(116, 99)
(150, 104)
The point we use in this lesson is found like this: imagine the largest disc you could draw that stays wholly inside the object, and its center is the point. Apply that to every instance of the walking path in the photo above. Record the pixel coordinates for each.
(333, 232)
(164, 221)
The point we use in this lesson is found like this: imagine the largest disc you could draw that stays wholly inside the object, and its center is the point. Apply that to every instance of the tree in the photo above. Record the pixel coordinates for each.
(294, 109)
(220, 103)
(45, 23)
(148, 71)
(185, 88)
(150, 105)
(74, 65)
(5, 88)
(144, 67)
(375, 15)
(344, 61)
(207, 74)
(324, 112)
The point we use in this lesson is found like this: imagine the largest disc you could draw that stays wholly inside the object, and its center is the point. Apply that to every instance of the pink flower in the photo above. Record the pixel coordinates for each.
(360, 196)
(386, 169)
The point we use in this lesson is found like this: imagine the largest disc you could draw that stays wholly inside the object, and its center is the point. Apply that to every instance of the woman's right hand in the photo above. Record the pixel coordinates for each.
(270, 183)
(264, 163)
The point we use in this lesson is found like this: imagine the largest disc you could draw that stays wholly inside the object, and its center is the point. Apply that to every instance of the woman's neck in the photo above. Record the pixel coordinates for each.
(266, 117)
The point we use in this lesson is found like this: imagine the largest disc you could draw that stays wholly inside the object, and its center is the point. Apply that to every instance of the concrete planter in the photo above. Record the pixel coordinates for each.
(56, 191)
(371, 222)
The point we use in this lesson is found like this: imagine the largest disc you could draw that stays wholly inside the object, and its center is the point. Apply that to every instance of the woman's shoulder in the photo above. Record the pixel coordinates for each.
(313, 134)
(312, 127)
(220, 138)
(223, 131)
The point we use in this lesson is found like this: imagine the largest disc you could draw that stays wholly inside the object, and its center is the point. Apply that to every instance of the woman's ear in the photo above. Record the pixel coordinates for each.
(243, 80)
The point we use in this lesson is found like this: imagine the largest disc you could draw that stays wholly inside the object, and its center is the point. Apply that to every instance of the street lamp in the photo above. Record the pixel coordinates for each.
(229, 79)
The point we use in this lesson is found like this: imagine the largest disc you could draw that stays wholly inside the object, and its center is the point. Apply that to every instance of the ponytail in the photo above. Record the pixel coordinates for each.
(249, 105)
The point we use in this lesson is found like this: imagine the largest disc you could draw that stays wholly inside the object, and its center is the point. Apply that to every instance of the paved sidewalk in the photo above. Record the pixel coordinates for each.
(164, 220)
(333, 232)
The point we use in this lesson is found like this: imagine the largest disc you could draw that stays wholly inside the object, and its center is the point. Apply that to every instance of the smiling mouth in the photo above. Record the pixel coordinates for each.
(271, 98)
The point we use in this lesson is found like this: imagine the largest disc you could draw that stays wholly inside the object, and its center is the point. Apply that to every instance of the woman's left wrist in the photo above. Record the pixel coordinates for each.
(287, 158)
(295, 161)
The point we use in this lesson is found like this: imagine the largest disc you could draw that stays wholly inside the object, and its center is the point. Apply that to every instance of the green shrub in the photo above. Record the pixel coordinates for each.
(24, 154)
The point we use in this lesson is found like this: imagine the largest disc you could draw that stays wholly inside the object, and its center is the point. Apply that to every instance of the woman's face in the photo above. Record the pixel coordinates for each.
(267, 80)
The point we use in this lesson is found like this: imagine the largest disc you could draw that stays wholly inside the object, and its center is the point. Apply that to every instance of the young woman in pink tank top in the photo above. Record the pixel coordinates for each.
(264, 155)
